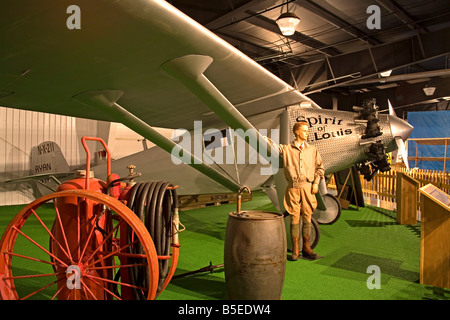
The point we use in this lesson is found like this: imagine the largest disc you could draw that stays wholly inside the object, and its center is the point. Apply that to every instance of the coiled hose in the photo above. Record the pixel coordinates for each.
(154, 203)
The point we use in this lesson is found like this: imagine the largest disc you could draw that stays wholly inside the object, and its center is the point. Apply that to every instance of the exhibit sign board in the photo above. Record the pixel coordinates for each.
(435, 237)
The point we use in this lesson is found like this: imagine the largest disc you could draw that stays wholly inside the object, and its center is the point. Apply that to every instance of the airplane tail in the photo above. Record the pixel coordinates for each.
(48, 166)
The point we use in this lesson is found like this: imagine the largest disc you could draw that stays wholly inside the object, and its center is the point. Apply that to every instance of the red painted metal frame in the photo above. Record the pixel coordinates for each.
(7, 288)
(88, 156)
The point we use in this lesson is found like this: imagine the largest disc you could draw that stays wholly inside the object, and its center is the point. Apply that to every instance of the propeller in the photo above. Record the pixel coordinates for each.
(402, 149)
(391, 109)
(399, 141)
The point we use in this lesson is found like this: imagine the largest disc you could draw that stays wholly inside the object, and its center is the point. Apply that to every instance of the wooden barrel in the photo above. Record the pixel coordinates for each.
(255, 255)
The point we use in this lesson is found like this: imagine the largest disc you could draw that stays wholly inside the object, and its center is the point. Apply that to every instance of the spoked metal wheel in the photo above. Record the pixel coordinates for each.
(87, 257)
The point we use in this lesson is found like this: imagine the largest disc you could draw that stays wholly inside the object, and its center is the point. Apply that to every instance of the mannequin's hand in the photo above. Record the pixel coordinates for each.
(314, 188)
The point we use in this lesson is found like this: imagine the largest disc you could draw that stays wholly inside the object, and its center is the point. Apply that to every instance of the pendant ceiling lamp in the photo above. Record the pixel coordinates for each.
(287, 22)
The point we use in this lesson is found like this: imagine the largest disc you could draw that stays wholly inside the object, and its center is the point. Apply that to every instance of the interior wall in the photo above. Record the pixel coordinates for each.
(429, 124)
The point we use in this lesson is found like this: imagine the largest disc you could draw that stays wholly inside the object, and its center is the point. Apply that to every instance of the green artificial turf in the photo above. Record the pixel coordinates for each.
(360, 238)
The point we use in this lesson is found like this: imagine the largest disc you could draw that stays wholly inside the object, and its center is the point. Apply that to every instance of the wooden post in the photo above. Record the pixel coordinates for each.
(353, 189)
(407, 195)
(417, 154)
(344, 202)
(445, 155)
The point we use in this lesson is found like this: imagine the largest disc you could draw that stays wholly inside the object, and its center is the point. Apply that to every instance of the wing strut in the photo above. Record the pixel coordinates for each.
(189, 71)
(105, 100)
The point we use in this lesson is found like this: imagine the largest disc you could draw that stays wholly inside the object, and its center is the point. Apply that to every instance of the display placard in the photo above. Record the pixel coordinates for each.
(437, 194)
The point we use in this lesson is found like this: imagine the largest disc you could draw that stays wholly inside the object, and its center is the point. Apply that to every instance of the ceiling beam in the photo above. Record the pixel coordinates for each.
(387, 56)
(239, 13)
(270, 25)
(401, 14)
(403, 97)
(406, 77)
(338, 22)
(259, 53)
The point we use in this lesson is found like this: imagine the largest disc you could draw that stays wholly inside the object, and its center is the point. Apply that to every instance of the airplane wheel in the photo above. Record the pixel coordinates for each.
(333, 212)
(85, 257)
(315, 233)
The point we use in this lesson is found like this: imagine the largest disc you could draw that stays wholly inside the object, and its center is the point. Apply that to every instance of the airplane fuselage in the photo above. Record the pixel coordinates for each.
(338, 135)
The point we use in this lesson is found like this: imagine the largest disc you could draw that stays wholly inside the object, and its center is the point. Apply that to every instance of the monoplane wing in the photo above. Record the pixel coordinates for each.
(121, 45)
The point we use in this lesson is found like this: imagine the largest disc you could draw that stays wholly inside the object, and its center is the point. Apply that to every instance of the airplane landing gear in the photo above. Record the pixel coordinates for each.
(332, 212)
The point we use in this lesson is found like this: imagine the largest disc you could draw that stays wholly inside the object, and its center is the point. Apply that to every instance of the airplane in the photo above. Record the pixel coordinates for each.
(340, 136)
(171, 72)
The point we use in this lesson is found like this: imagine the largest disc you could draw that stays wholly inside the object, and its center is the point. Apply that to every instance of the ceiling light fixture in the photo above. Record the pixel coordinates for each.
(287, 22)
(386, 73)
(429, 91)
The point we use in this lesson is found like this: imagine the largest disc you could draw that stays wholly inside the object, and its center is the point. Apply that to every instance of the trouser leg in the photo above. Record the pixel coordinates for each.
(307, 207)
(295, 237)
(307, 252)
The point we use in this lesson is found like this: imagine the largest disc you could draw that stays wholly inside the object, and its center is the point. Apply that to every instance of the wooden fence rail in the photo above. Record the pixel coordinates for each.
(381, 191)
